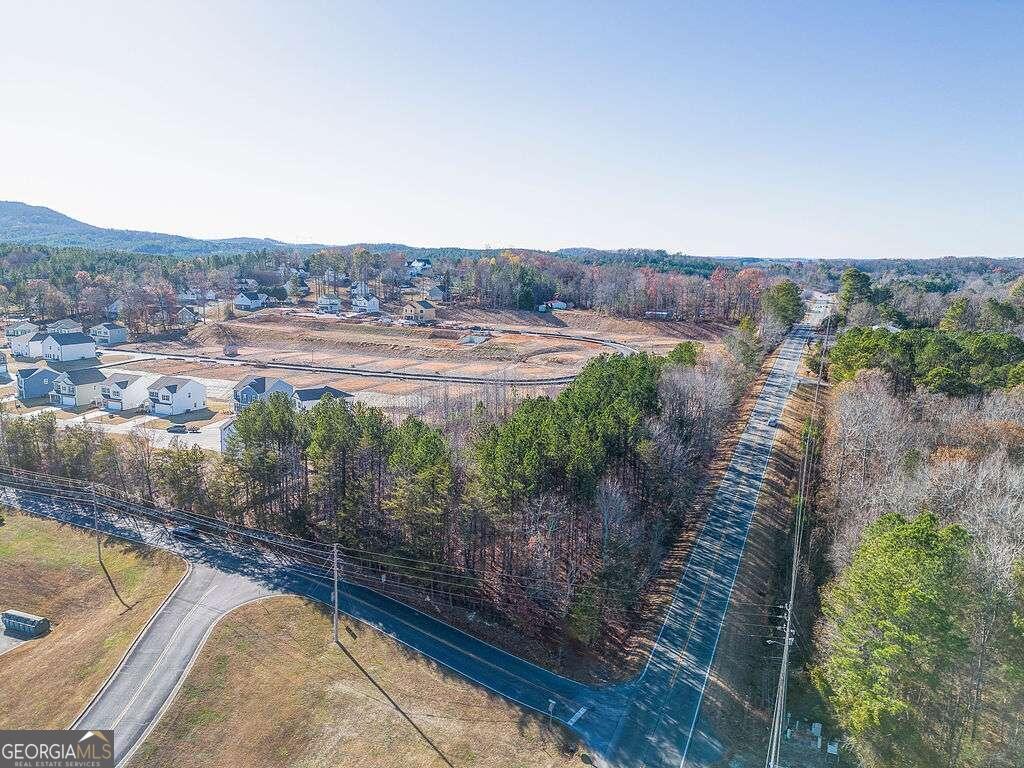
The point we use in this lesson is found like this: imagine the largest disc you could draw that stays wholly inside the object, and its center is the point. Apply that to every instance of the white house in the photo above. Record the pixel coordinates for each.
(65, 347)
(115, 308)
(20, 329)
(369, 305)
(174, 395)
(253, 388)
(306, 398)
(434, 294)
(126, 391)
(359, 289)
(109, 333)
(250, 301)
(29, 344)
(329, 303)
(73, 389)
(547, 306)
(67, 325)
(418, 267)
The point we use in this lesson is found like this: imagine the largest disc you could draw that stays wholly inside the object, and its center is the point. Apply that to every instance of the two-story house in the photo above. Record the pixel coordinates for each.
(420, 311)
(109, 333)
(188, 316)
(29, 344)
(67, 325)
(329, 303)
(65, 347)
(126, 391)
(21, 328)
(253, 388)
(250, 301)
(73, 389)
(174, 395)
(35, 382)
(368, 305)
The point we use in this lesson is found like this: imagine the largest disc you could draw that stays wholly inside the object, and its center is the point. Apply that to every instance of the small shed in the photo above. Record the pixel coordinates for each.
(25, 624)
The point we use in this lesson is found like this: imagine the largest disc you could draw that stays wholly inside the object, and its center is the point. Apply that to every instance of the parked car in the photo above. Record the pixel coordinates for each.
(177, 428)
(185, 532)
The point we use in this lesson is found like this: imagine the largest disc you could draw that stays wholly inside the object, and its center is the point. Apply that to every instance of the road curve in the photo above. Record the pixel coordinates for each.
(144, 683)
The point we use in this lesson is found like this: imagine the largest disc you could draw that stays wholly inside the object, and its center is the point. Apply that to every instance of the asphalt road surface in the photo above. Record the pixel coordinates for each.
(149, 675)
(662, 725)
(650, 722)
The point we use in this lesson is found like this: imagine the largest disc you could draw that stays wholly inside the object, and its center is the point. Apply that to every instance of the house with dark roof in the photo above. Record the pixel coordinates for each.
(307, 397)
(73, 389)
(109, 333)
(65, 347)
(420, 311)
(29, 344)
(126, 391)
(250, 301)
(35, 382)
(175, 395)
(253, 388)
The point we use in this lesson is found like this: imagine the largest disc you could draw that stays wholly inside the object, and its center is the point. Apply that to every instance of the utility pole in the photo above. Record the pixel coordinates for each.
(335, 595)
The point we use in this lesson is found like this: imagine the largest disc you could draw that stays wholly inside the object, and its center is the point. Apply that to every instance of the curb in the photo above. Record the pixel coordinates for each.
(135, 642)
(184, 676)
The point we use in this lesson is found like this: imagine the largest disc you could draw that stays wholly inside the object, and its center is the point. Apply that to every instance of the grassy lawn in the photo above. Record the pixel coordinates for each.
(271, 690)
(51, 570)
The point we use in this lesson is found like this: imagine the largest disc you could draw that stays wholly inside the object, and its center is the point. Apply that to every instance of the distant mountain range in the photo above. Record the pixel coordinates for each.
(36, 225)
(24, 224)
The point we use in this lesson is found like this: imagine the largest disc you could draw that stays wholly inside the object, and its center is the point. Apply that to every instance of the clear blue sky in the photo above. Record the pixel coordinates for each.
(762, 129)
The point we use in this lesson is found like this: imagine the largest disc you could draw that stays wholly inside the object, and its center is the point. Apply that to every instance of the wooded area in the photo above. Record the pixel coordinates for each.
(920, 537)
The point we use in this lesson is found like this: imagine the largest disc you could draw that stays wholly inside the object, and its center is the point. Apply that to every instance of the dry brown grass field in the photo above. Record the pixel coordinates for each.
(51, 570)
(270, 689)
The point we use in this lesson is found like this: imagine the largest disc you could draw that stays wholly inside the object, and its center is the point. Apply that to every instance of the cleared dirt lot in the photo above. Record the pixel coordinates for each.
(271, 689)
(514, 345)
(51, 570)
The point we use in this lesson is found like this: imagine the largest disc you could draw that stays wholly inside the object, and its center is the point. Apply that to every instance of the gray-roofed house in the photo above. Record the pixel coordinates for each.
(67, 325)
(35, 382)
(5, 374)
(29, 344)
(20, 329)
(126, 391)
(65, 347)
(174, 395)
(250, 301)
(109, 333)
(73, 389)
(253, 388)
(421, 311)
(188, 316)
(307, 397)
